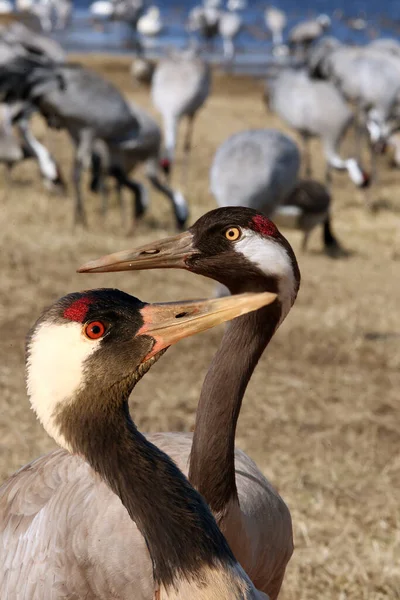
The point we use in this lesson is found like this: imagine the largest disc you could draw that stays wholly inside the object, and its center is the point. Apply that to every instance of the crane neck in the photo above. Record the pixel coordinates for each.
(180, 532)
(212, 459)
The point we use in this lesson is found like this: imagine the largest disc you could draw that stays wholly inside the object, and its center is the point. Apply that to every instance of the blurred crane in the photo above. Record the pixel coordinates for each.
(370, 79)
(205, 21)
(17, 147)
(125, 156)
(150, 23)
(180, 86)
(275, 21)
(302, 35)
(229, 26)
(259, 168)
(21, 40)
(72, 98)
(315, 109)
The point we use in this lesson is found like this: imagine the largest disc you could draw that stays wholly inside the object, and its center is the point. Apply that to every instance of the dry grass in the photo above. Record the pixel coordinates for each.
(321, 414)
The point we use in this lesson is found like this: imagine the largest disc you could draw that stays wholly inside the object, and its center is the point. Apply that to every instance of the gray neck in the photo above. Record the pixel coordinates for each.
(212, 459)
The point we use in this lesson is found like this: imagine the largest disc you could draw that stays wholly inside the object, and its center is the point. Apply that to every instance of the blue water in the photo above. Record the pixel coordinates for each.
(253, 46)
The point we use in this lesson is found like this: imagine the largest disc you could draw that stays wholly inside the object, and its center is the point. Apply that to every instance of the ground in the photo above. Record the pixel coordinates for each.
(320, 416)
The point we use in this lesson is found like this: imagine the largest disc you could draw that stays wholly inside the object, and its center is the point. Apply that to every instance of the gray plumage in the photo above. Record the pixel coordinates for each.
(17, 41)
(307, 206)
(394, 143)
(70, 521)
(370, 79)
(364, 75)
(64, 530)
(144, 147)
(302, 35)
(275, 21)
(315, 109)
(142, 70)
(205, 20)
(389, 45)
(229, 26)
(320, 50)
(9, 52)
(31, 41)
(180, 86)
(11, 149)
(257, 168)
(305, 31)
(20, 144)
(76, 99)
(80, 99)
(62, 10)
(128, 11)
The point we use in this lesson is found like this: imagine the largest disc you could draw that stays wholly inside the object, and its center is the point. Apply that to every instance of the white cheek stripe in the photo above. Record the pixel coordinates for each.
(273, 260)
(55, 367)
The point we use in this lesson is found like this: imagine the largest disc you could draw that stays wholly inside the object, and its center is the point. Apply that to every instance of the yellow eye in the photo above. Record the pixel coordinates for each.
(233, 233)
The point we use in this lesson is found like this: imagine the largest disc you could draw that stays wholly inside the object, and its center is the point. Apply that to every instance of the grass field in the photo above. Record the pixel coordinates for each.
(321, 415)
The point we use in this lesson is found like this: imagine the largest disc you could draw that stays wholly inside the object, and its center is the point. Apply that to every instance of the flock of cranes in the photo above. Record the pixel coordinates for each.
(171, 516)
(112, 136)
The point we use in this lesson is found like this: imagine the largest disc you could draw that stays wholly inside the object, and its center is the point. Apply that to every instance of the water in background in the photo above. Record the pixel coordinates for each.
(253, 46)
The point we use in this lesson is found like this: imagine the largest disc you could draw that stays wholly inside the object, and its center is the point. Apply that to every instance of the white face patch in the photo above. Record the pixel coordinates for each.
(57, 354)
(273, 260)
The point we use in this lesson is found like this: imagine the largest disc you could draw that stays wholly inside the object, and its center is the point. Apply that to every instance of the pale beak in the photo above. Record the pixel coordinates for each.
(169, 253)
(170, 322)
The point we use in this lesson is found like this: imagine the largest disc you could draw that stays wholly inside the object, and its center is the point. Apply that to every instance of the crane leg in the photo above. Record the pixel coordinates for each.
(120, 200)
(104, 197)
(368, 192)
(359, 134)
(8, 170)
(79, 212)
(304, 243)
(189, 132)
(331, 243)
(187, 147)
(328, 175)
(98, 181)
(373, 164)
(307, 156)
(229, 51)
(138, 205)
(83, 156)
(178, 201)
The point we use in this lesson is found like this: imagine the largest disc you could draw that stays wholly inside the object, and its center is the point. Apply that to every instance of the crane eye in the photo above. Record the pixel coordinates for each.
(94, 330)
(233, 233)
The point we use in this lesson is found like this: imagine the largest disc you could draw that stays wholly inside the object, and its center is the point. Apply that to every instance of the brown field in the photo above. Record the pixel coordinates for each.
(321, 414)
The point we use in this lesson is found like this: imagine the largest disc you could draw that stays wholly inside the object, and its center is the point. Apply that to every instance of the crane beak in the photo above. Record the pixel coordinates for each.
(169, 253)
(170, 322)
